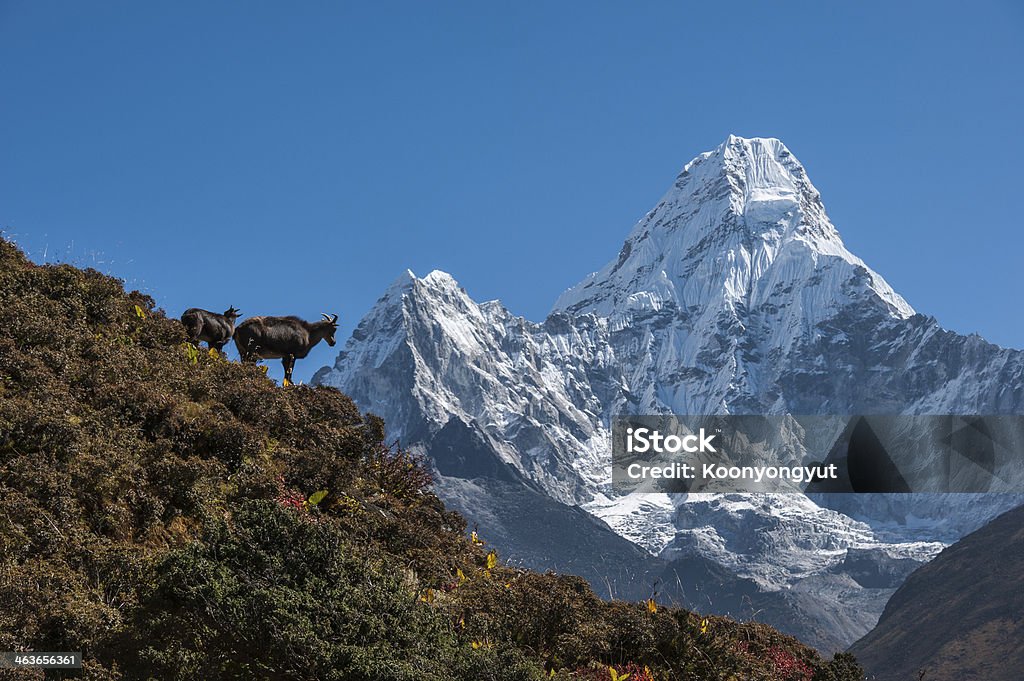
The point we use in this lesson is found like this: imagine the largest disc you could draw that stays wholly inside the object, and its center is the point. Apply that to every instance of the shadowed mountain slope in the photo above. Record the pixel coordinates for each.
(961, 616)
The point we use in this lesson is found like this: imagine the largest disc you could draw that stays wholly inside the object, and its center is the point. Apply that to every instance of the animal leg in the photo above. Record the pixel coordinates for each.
(289, 363)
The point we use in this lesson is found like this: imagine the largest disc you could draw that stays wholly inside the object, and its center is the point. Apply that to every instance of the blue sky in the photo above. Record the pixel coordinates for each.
(296, 157)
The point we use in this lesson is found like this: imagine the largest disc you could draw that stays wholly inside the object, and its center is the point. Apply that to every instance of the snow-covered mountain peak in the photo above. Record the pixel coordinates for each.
(436, 280)
(739, 225)
(764, 170)
(404, 279)
(438, 291)
(440, 279)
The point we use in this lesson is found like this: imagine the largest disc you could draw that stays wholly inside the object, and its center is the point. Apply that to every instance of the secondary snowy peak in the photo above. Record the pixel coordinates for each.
(417, 331)
(434, 299)
(427, 354)
(740, 227)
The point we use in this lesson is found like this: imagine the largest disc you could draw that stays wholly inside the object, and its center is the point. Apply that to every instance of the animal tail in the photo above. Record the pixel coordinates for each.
(245, 344)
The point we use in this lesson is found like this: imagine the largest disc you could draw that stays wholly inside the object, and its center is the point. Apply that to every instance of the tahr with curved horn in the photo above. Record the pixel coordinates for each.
(284, 338)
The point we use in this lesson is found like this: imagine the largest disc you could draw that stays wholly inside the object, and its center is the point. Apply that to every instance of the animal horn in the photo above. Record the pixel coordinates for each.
(325, 316)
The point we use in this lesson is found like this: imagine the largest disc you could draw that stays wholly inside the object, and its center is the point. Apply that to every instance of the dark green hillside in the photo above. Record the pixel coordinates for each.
(177, 516)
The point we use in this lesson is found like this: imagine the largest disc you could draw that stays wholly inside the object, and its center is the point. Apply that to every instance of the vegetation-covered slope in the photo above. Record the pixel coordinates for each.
(174, 515)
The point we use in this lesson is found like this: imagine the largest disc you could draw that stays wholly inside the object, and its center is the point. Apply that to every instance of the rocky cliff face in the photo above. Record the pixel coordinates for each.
(735, 294)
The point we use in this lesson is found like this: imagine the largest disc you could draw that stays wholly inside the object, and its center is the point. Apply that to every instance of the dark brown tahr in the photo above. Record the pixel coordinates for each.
(215, 329)
(284, 338)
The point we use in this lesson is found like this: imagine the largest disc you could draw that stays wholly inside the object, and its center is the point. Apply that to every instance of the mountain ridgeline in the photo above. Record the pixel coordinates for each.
(734, 294)
(174, 515)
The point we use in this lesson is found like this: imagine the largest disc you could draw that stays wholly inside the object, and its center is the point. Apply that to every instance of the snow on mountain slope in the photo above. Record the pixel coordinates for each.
(751, 205)
(735, 294)
(427, 353)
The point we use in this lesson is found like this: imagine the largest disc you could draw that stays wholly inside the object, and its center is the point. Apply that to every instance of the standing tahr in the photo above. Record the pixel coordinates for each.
(215, 329)
(284, 338)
